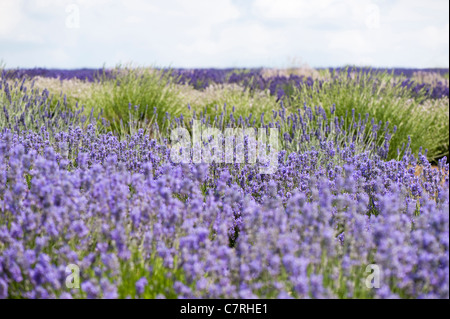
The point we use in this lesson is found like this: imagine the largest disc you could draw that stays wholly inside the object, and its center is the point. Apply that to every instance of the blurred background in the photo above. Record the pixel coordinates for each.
(225, 33)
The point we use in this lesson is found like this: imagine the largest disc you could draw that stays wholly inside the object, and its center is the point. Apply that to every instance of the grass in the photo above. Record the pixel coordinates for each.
(426, 122)
(129, 99)
(26, 107)
(139, 91)
(212, 100)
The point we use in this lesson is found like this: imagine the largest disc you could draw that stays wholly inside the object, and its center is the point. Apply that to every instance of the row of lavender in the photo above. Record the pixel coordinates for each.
(283, 85)
(279, 85)
(136, 224)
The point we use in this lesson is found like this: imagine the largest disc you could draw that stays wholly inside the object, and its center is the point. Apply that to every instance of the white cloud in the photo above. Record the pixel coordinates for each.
(132, 19)
(198, 11)
(353, 41)
(416, 12)
(10, 16)
(225, 33)
(59, 3)
(434, 37)
(140, 7)
(241, 39)
(290, 9)
(307, 12)
(206, 11)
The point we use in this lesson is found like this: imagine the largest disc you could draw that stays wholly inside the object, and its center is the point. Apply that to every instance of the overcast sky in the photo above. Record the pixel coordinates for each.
(224, 33)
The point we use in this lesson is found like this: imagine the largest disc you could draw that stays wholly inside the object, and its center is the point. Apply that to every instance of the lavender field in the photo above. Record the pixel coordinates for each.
(105, 191)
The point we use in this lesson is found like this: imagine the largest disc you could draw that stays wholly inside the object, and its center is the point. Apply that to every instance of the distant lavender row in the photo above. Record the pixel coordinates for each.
(90, 75)
(282, 86)
(436, 91)
(250, 79)
(278, 85)
(214, 75)
(407, 72)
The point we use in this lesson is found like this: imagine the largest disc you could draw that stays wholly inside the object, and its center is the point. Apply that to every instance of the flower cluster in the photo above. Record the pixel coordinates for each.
(436, 90)
(118, 216)
(279, 85)
(138, 225)
(27, 108)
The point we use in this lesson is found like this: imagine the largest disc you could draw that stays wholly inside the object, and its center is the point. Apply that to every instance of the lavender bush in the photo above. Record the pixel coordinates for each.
(120, 213)
(138, 225)
(26, 108)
